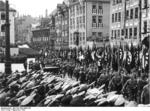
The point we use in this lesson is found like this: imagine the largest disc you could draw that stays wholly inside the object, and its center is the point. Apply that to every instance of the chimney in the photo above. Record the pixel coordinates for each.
(46, 13)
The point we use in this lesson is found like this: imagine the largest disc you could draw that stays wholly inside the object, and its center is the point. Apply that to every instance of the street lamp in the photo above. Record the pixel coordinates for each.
(7, 42)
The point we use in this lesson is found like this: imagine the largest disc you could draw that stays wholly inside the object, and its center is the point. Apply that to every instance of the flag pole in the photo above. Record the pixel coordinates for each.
(7, 42)
(149, 58)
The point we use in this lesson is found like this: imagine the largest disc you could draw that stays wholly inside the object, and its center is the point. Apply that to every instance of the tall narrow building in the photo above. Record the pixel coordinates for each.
(145, 18)
(125, 22)
(12, 13)
(62, 26)
(90, 18)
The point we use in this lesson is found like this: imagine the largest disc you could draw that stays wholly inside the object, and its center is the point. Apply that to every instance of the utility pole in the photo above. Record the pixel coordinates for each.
(7, 42)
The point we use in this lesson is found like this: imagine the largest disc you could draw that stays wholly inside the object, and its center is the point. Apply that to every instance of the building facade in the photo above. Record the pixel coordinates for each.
(52, 39)
(41, 34)
(90, 18)
(145, 18)
(125, 21)
(62, 26)
(2, 24)
(23, 26)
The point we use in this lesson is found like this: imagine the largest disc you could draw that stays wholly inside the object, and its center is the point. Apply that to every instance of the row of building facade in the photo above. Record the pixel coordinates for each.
(96, 21)
(90, 18)
(3, 21)
(100, 21)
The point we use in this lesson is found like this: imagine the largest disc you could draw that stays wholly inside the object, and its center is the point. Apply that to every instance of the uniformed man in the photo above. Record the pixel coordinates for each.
(82, 75)
(115, 83)
(130, 88)
(141, 82)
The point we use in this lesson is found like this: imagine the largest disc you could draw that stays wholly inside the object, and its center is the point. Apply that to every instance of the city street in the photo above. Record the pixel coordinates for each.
(75, 53)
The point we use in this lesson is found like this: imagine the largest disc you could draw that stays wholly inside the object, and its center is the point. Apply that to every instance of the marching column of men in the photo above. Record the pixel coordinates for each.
(121, 69)
(124, 70)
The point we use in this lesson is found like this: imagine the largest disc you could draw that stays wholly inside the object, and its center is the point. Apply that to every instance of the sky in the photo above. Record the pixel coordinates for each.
(34, 8)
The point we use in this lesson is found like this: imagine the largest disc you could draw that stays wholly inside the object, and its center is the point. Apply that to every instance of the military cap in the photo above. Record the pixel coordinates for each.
(120, 101)
(77, 101)
(83, 87)
(103, 102)
(28, 100)
(49, 99)
(21, 98)
(66, 100)
(112, 98)
(54, 103)
(131, 104)
(12, 84)
(59, 96)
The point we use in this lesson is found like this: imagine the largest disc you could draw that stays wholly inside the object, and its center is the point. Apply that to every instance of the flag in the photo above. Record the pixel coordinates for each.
(128, 61)
(115, 59)
(133, 54)
(145, 60)
(121, 55)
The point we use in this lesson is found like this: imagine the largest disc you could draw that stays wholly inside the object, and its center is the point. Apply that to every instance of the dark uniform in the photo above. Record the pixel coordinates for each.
(141, 82)
(130, 89)
(145, 96)
(115, 83)
(82, 76)
(76, 72)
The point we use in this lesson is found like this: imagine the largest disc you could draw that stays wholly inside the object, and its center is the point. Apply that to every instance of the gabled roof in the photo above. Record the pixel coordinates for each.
(3, 8)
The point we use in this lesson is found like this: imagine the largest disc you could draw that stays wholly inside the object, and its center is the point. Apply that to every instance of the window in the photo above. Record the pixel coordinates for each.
(99, 34)
(115, 34)
(81, 11)
(131, 14)
(94, 21)
(116, 17)
(83, 36)
(94, 8)
(93, 33)
(3, 16)
(100, 8)
(130, 33)
(118, 33)
(114, 2)
(3, 28)
(77, 9)
(127, 14)
(119, 16)
(113, 18)
(112, 33)
(122, 32)
(80, 37)
(145, 3)
(84, 9)
(83, 19)
(145, 26)
(135, 32)
(126, 33)
(99, 19)
(136, 12)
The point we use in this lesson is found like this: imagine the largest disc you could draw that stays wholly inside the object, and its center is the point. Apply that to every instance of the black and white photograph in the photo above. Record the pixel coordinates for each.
(74, 54)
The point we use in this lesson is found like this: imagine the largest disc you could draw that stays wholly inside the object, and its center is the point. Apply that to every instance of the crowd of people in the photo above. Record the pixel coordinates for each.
(125, 70)
(121, 69)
